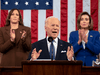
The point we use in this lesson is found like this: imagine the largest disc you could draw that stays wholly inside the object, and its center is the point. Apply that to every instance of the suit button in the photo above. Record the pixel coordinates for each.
(84, 56)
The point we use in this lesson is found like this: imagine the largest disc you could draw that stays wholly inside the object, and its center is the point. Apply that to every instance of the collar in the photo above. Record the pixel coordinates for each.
(87, 33)
(55, 40)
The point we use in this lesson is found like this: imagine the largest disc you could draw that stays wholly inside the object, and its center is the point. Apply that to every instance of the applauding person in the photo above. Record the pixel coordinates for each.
(15, 40)
(85, 41)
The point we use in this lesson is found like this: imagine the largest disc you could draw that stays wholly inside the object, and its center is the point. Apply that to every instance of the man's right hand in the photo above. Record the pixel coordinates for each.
(35, 54)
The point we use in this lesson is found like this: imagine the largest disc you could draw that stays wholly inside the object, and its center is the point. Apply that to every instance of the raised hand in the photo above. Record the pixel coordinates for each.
(84, 36)
(80, 37)
(35, 54)
(12, 35)
(70, 53)
(23, 34)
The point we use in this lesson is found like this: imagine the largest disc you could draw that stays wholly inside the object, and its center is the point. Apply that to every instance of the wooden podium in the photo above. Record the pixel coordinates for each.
(51, 67)
(11, 70)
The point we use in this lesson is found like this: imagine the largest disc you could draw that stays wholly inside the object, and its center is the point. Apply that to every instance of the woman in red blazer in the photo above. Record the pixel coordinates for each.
(15, 40)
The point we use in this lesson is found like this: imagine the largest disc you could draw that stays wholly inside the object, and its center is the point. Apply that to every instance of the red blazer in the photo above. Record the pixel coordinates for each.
(14, 53)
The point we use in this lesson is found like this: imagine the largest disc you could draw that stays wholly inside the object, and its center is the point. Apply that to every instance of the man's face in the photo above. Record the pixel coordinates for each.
(52, 27)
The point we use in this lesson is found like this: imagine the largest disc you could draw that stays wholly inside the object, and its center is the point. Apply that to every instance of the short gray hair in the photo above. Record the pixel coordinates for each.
(48, 18)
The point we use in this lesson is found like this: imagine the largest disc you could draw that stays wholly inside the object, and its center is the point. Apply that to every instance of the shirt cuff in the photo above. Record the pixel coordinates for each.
(71, 59)
(32, 59)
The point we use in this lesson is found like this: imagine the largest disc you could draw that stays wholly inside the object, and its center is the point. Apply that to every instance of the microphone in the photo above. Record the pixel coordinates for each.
(50, 39)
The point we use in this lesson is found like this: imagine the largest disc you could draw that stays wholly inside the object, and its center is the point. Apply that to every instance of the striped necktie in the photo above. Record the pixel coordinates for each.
(52, 51)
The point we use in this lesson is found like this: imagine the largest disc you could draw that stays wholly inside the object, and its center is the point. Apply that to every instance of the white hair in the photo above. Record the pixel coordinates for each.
(49, 18)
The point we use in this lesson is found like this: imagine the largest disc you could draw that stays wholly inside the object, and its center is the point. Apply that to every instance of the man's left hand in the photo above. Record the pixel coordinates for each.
(70, 53)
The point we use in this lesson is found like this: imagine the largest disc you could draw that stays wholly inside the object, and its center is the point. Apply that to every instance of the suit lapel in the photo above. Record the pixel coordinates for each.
(7, 28)
(90, 36)
(45, 48)
(18, 34)
(77, 35)
(59, 48)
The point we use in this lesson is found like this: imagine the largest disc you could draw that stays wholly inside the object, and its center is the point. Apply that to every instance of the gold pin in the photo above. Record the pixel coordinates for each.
(91, 36)
(20, 31)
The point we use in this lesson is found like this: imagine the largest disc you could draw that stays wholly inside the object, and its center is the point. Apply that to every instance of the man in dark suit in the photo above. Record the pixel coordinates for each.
(42, 49)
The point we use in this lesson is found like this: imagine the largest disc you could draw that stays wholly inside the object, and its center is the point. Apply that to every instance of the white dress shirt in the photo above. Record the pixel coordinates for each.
(55, 43)
(83, 42)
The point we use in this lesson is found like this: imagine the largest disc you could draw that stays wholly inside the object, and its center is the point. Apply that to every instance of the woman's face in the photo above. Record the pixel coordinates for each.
(84, 22)
(14, 18)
